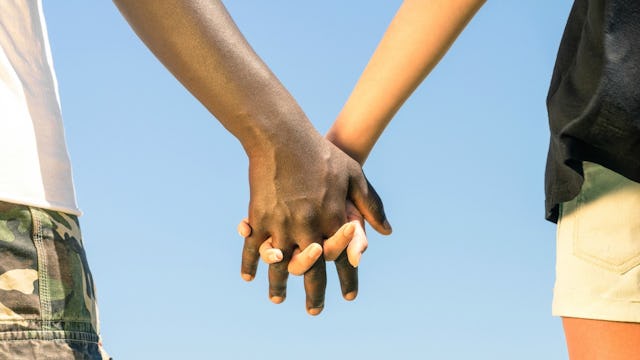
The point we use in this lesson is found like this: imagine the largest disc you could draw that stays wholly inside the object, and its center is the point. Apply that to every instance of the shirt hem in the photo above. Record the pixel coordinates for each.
(43, 205)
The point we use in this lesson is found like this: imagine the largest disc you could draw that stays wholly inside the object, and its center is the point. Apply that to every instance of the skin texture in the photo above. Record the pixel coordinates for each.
(417, 38)
(396, 68)
(393, 72)
(302, 260)
(350, 237)
(345, 247)
(601, 340)
(299, 182)
(200, 44)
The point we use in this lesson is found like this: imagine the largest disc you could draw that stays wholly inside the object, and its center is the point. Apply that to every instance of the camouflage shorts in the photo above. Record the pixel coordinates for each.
(47, 298)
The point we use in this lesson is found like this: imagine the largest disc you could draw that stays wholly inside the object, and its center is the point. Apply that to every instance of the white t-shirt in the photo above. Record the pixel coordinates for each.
(34, 164)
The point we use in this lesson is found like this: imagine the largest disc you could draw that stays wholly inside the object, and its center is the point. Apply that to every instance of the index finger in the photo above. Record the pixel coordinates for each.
(251, 255)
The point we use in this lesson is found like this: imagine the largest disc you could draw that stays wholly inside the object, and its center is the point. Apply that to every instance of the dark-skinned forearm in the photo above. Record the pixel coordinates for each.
(201, 45)
(299, 182)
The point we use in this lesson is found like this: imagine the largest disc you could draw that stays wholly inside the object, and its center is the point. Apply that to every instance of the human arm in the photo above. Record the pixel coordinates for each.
(417, 38)
(298, 181)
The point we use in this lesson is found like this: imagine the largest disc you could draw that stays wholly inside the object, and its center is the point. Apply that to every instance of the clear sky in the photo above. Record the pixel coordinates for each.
(468, 271)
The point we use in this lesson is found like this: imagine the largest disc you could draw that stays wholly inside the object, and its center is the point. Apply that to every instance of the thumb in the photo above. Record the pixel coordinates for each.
(366, 199)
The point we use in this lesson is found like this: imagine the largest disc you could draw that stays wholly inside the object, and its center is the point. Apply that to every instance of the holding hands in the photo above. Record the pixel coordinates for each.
(345, 247)
(299, 194)
(299, 181)
(306, 193)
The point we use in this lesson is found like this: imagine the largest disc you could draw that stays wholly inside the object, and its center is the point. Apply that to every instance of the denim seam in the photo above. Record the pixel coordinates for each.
(50, 335)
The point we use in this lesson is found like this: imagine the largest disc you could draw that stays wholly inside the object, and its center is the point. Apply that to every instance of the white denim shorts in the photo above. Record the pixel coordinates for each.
(598, 250)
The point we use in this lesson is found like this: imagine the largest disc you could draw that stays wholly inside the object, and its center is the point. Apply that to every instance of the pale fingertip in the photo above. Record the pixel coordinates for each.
(314, 311)
(277, 299)
(268, 253)
(350, 296)
(243, 229)
(247, 277)
(295, 272)
(357, 247)
(240, 231)
(354, 259)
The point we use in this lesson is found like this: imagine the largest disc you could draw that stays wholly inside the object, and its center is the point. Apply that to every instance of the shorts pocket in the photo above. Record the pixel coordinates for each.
(607, 222)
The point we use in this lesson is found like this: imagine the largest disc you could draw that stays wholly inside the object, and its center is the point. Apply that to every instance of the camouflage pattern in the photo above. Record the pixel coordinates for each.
(47, 297)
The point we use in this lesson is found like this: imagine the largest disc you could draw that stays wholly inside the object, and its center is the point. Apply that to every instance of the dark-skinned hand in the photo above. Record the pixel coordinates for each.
(299, 191)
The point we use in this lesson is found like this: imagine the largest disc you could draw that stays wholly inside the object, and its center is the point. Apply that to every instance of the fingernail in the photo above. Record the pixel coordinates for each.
(315, 251)
(350, 296)
(247, 277)
(276, 257)
(314, 311)
(277, 299)
(348, 230)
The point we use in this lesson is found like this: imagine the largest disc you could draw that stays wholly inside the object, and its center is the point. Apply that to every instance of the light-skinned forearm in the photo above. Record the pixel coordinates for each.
(417, 38)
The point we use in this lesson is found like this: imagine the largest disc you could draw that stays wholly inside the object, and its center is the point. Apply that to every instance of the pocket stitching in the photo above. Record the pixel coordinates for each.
(621, 267)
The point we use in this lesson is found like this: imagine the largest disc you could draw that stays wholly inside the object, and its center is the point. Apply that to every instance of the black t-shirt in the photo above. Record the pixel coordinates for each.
(594, 97)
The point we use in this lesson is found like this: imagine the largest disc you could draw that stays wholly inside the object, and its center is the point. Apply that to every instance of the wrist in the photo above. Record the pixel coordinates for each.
(343, 143)
(285, 128)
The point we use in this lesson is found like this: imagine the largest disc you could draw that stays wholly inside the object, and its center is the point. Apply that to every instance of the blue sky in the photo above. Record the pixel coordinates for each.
(468, 271)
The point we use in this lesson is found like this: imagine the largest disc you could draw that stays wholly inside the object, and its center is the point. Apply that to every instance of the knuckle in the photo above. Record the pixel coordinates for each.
(306, 215)
(336, 214)
(258, 215)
